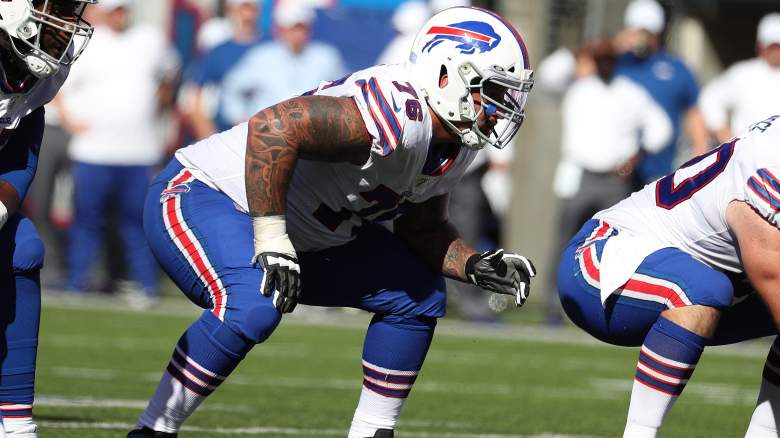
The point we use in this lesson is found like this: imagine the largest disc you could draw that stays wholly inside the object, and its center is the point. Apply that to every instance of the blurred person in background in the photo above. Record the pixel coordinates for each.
(39, 41)
(407, 19)
(607, 122)
(291, 64)
(287, 208)
(205, 106)
(666, 78)
(110, 107)
(748, 90)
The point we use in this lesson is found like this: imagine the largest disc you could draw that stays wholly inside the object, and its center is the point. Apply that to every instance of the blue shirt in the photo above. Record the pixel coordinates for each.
(674, 87)
(271, 73)
(214, 66)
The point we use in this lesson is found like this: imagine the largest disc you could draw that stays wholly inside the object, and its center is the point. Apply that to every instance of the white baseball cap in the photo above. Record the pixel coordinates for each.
(410, 16)
(291, 12)
(241, 2)
(769, 30)
(113, 4)
(644, 14)
(440, 5)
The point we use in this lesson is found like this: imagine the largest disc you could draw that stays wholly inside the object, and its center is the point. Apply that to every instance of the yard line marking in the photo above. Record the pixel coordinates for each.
(84, 373)
(91, 402)
(713, 393)
(270, 430)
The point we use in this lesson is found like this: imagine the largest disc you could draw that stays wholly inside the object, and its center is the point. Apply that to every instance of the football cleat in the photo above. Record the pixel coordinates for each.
(145, 432)
(383, 433)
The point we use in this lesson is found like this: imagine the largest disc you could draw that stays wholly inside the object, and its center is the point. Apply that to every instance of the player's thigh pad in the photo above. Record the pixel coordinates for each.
(20, 246)
(205, 245)
(667, 278)
(376, 272)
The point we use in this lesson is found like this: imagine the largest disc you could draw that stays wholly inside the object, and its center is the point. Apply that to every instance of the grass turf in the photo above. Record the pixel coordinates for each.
(98, 364)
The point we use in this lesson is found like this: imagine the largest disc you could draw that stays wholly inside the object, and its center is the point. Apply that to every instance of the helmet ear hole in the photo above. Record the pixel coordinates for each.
(443, 77)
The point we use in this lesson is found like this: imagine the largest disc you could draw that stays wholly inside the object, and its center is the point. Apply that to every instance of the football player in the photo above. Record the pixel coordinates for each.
(286, 209)
(691, 260)
(39, 40)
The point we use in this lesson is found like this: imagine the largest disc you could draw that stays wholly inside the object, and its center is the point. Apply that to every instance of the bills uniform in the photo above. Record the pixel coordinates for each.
(668, 245)
(197, 223)
(21, 249)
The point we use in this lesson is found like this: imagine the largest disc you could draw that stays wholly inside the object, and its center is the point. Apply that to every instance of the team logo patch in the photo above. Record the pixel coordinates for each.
(174, 191)
(471, 36)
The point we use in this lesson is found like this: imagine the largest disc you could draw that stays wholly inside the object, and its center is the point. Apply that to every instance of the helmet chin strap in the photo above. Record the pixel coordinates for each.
(471, 140)
(39, 67)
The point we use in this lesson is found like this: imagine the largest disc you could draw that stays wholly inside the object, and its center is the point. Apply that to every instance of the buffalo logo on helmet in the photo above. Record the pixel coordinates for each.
(471, 36)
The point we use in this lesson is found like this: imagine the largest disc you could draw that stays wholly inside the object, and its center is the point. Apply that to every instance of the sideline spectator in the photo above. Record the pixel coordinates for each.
(607, 121)
(665, 77)
(287, 66)
(748, 90)
(407, 19)
(116, 141)
(206, 109)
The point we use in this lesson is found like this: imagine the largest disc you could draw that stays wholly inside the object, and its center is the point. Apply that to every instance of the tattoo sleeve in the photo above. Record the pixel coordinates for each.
(426, 229)
(320, 128)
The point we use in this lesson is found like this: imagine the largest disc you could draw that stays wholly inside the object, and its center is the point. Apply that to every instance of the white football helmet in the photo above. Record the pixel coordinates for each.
(478, 50)
(44, 34)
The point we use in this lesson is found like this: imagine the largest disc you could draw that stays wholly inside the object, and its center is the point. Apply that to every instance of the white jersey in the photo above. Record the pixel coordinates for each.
(15, 106)
(327, 202)
(687, 209)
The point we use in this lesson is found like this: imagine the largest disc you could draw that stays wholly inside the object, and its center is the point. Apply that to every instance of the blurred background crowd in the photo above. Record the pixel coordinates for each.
(625, 91)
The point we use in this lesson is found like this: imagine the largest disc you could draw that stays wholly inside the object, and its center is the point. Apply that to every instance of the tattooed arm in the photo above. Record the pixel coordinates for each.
(319, 128)
(312, 127)
(425, 227)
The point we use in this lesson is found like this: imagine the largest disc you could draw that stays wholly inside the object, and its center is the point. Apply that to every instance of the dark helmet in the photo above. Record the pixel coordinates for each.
(38, 37)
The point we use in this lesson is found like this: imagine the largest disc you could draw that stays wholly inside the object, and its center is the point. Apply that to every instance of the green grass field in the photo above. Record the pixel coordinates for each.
(97, 366)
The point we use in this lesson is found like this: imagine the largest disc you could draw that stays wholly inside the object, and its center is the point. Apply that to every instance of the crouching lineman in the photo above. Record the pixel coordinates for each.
(283, 210)
(38, 41)
(666, 269)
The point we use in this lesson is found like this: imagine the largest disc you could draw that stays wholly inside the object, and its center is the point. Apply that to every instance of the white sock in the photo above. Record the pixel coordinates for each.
(374, 412)
(763, 424)
(17, 420)
(171, 404)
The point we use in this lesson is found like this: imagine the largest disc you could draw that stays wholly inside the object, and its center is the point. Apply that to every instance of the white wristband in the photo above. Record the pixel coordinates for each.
(271, 236)
(3, 214)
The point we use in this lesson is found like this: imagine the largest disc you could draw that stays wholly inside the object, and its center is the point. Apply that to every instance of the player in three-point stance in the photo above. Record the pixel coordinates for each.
(284, 209)
(39, 39)
(690, 260)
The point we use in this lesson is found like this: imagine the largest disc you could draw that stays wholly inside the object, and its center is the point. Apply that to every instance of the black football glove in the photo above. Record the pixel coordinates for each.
(502, 273)
(282, 278)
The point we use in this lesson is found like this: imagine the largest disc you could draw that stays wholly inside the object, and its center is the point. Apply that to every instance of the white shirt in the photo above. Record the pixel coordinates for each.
(113, 90)
(606, 124)
(750, 90)
(327, 201)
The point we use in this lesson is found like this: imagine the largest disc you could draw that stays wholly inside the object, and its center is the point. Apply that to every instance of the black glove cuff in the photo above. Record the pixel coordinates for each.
(470, 263)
